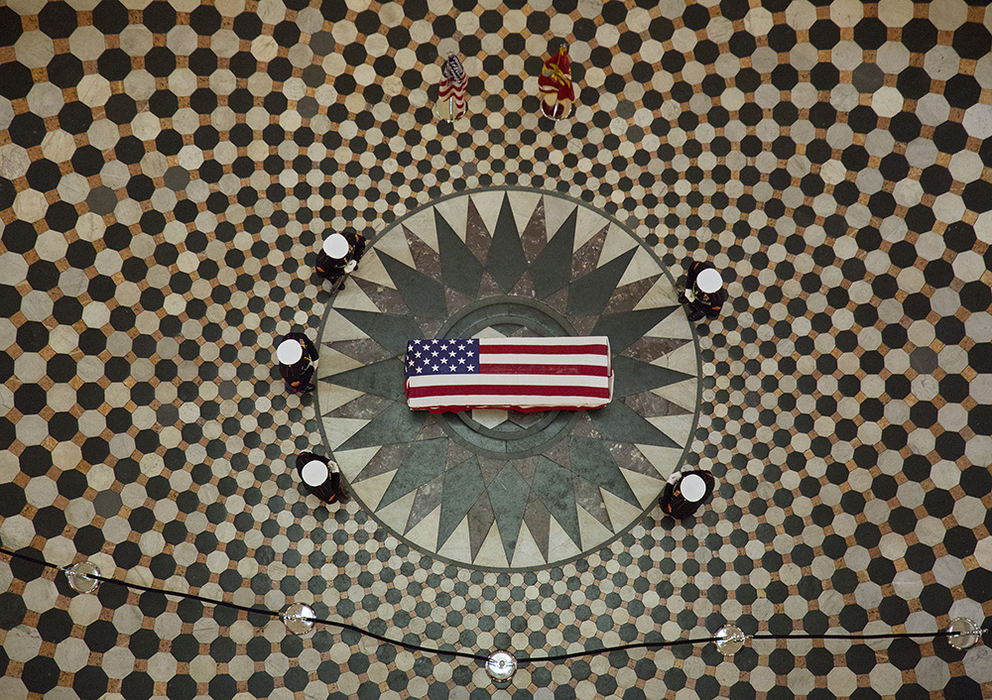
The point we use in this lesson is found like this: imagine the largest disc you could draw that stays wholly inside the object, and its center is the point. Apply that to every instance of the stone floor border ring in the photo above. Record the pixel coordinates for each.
(501, 489)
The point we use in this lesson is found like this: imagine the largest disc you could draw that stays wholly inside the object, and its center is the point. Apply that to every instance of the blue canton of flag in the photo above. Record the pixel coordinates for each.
(429, 357)
(452, 69)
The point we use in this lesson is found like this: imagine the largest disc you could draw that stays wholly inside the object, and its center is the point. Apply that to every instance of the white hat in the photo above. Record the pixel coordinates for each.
(709, 281)
(289, 352)
(693, 488)
(314, 473)
(336, 246)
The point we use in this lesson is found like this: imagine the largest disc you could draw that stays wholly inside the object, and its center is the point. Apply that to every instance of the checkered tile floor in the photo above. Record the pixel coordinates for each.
(166, 170)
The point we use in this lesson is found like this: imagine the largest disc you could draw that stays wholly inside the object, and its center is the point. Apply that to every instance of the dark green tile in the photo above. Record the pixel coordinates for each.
(421, 463)
(462, 486)
(395, 424)
(616, 421)
(553, 485)
(421, 294)
(508, 494)
(391, 331)
(480, 522)
(589, 295)
(592, 459)
(552, 268)
(380, 378)
(460, 269)
(506, 261)
(427, 499)
(632, 376)
(626, 327)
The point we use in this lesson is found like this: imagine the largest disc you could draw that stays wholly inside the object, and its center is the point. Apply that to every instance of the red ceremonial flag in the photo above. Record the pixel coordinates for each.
(523, 374)
(555, 84)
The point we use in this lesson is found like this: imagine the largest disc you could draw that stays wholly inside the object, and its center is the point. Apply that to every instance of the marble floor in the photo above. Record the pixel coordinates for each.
(167, 170)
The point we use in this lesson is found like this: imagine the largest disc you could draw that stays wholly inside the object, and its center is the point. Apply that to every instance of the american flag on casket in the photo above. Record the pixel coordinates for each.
(522, 374)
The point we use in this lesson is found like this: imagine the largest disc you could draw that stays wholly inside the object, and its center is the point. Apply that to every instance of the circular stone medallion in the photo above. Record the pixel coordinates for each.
(494, 488)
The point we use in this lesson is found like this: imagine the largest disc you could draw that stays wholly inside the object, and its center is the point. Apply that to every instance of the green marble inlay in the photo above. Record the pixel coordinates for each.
(460, 269)
(504, 470)
(627, 326)
(422, 462)
(506, 261)
(391, 331)
(462, 487)
(380, 378)
(552, 268)
(632, 376)
(421, 294)
(553, 485)
(394, 425)
(589, 295)
(508, 494)
(618, 422)
(592, 459)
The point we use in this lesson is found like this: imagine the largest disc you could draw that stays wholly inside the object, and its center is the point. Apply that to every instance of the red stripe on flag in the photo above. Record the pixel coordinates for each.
(578, 370)
(526, 349)
(507, 390)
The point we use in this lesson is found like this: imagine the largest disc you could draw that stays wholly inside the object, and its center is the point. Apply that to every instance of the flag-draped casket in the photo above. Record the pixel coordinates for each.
(523, 374)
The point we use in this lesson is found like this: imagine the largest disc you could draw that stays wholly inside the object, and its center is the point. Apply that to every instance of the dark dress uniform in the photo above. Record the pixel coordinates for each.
(332, 490)
(298, 375)
(703, 303)
(333, 269)
(675, 504)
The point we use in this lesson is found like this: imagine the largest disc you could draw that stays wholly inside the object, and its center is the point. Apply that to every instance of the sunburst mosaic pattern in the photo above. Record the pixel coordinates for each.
(496, 488)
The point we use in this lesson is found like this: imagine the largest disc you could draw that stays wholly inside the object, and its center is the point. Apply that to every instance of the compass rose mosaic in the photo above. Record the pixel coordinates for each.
(493, 488)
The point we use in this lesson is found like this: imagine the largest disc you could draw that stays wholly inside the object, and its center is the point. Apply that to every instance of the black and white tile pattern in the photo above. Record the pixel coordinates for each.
(166, 170)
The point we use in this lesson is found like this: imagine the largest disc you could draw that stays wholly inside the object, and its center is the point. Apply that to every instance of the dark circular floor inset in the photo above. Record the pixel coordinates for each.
(496, 488)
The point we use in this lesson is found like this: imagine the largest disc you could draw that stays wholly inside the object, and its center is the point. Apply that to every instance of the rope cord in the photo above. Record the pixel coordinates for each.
(622, 647)
(853, 637)
(480, 657)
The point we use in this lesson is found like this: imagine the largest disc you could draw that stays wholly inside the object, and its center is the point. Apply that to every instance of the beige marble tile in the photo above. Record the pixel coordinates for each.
(491, 552)
(372, 490)
(645, 488)
(616, 243)
(457, 545)
(353, 461)
(679, 428)
(424, 533)
(682, 393)
(422, 224)
(454, 210)
(662, 293)
(682, 358)
(395, 245)
(371, 269)
(338, 429)
(560, 545)
(522, 204)
(351, 296)
(488, 204)
(337, 327)
(591, 531)
(556, 211)
(675, 325)
(396, 514)
(663, 459)
(641, 266)
(526, 552)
